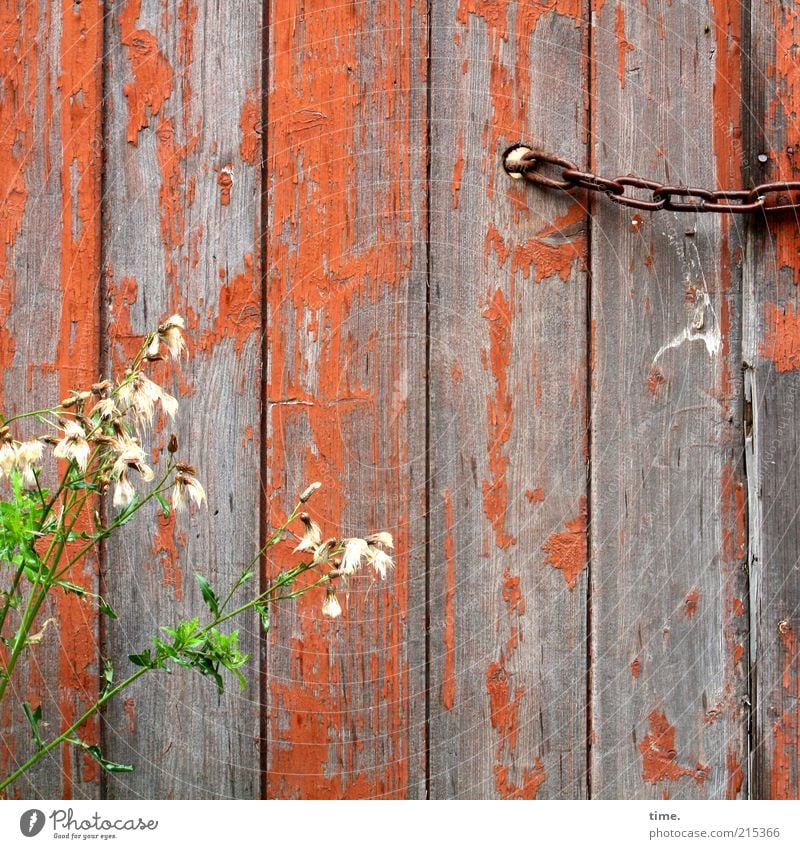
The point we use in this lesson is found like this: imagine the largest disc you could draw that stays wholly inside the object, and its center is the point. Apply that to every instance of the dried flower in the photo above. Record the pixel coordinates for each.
(312, 535)
(172, 445)
(131, 456)
(331, 606)
(8, 454)
(105, 409)
(170, 334)
(380, 560)
(73, 445)
(325, 551)
(354, 549)
(140, 394)
(382, 539)
(187, 487)
(124, 491)
(309, 491)
(29, 455)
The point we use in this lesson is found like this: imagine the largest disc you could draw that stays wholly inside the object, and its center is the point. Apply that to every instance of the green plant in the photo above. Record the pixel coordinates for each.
(96, 439)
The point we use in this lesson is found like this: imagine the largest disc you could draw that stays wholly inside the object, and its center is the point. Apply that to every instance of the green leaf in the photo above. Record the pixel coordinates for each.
(263, 612)
(108, 677)
(144, 659)
(106, 608)
(94, 751)
(34, 717)
(82, 484)
(166, 509)
(209, 596)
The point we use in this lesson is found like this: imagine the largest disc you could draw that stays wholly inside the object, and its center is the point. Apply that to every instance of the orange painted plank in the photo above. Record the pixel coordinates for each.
(772, 376)
(508, 438)
(668, 540)
(50, 119)
(182, 212)
(345, 399)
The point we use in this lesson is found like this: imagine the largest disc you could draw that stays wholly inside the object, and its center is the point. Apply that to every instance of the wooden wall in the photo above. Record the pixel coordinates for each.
(579, 422)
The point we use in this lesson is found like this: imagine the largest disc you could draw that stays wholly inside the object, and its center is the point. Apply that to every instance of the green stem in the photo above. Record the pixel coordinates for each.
(57, 741)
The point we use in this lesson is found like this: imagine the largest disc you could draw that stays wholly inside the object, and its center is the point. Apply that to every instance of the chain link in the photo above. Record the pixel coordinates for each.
(554, 172)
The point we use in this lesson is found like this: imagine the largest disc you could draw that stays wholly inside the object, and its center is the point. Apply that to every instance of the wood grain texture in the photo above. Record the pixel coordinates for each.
(182, 209)
(508, 368)
(669, 588)
(345, 399)
(50, 120)
(772, 377)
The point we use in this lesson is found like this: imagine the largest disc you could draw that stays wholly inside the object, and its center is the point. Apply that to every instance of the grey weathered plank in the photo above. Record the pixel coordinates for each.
(50, 120)
(668, 590)
(346, 273)
(182, 209)
(772, 380)
(508, 369)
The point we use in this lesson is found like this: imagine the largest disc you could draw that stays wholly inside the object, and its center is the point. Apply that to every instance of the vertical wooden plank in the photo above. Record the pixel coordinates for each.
(669, 588)
(50, 163)
(508, 370)
(183, 225)
(346, 290)
(772, 377)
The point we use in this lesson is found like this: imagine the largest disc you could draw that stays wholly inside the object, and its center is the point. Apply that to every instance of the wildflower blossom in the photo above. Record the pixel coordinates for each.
(8, 454)
(131, 456)
(312, 536)
(140, 395)
(382, 539)
(73, 445)
(28, 455)
(380, 560)
(105, 409)
(309, 491)
(187, 487)
(170, 334)
(331, 606)
(124, 491)
(354, 550)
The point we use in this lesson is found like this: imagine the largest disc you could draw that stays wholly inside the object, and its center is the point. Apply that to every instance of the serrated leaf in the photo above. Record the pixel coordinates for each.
(108, 677)
(209, 596)
(94, 751)
(34, 717)
(143, 659)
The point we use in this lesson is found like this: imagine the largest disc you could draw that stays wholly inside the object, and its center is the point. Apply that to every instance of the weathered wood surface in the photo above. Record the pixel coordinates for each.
(669, 589)
(580, 427)
(50, 167)
(508, 440)
(182, 234)
(345, 401)
(772, 377)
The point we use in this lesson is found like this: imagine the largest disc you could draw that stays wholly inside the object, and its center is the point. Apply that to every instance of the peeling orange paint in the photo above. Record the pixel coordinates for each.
(690, 604)
(656, 380)
(499, 416)
(250, 126)
(505, 702)
(623, 45)
(152, 74)
(659, 757)
(554, 251)
(535, 496)
(458, 169)
(320, 115)
(449, 674)
(782, 337)
(568, 550)
(636, 667)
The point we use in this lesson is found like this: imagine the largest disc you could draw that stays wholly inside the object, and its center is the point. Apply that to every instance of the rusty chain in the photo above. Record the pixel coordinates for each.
(524, 163)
